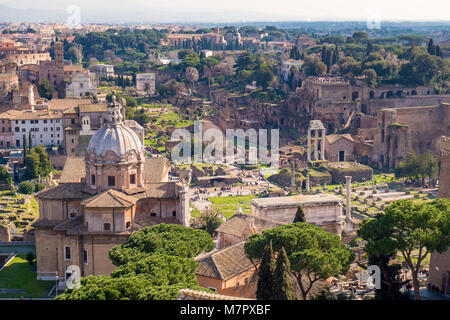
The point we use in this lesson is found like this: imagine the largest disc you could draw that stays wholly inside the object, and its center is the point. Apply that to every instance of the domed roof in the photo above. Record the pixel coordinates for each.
(114, 135)
(117, 138)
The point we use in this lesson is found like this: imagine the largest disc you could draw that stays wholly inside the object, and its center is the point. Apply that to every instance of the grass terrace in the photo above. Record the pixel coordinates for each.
(20, 275)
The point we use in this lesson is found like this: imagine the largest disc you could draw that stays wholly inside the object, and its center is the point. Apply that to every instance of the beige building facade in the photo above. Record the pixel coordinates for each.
(101, 200)
(322, 210)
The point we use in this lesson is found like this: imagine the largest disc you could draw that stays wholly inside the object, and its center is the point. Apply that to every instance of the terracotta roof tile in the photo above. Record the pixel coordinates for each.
(74, 170)
(225, 263)
(155, 169)
(63, 191)
(110, 199)
(189, 294)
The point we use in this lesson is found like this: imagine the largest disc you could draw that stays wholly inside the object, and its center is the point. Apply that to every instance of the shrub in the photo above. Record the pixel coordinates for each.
(39, 187)
(26, 187)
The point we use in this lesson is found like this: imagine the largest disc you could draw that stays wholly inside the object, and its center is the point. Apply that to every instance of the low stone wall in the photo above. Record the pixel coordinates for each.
(358, 172)
(5, 235)
(320, 178)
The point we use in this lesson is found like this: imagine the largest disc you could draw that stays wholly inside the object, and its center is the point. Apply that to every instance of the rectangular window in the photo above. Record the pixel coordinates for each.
(85, 256)
(68, 255)
(111, 181)
(92, 179)
(132, 178)
(107, 226)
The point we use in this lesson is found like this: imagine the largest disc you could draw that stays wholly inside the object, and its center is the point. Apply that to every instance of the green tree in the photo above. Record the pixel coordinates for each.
(5, 176)
(374, 232)
(45, 89)
(313, 253)
(266, 269)
(39, 187)
(313, 66)
(208, 220)
(263, 76)
(24, 142)
(26, 187)
(154, 264)
(45, 166)
(415, 230)
(299, 215)
(282, 278)
(32, 165)
(30, 141)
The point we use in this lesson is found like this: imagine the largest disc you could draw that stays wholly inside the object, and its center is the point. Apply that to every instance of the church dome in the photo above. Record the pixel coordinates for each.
(114, 136)
(117, 138)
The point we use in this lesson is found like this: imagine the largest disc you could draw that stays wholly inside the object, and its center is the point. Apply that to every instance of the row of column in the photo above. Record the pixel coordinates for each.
(316, 145)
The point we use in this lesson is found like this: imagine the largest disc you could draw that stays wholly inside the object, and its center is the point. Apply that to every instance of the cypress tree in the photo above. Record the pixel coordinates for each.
(30, 141)
(431, 48)
(299, 215)
(24, 146)
(282, 279)
(265, 272)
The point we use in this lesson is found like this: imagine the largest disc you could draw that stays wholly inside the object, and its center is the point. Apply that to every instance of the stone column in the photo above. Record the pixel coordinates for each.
(322, 146)
(316, 145)
(184, 205)
(349, 198)
(308, 151)
(308, 183)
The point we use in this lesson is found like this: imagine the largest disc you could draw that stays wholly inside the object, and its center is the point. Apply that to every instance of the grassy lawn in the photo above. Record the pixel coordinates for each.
(19, 275)
(228, 206)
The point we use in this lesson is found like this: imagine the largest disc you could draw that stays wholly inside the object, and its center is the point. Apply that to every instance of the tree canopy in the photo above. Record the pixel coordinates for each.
(155, 263)
(414, 229)
(313, 253)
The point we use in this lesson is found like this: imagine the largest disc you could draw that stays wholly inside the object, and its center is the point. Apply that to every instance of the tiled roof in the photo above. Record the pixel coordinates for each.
(86, 108)
(161, 190)
(189, 294)
(83, 143)
(74, 170)
(69, 224)
(63, 191)
(64, 104)
(224, 264)
(332, 138)
(155, 169)
(238, 223)
(110, 199)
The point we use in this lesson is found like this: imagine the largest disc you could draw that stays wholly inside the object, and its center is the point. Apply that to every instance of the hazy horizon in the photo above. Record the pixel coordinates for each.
(203, 11)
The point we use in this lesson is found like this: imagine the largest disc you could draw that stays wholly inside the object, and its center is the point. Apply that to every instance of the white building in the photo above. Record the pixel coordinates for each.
(81, 85)
(45, 127)
(104, 71)
(145, 83)
(287, 67)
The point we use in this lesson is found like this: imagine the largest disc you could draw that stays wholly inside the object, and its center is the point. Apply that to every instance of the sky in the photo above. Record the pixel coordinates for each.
(250, 10)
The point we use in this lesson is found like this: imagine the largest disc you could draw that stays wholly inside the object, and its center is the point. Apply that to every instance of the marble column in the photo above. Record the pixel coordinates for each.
(308, 183)
(308, 151)
(349, 198)
(322, 146)
(316, 145)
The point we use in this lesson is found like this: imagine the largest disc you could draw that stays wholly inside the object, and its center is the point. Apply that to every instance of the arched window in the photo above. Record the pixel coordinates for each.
(128, 224)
